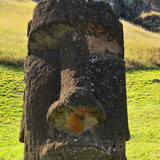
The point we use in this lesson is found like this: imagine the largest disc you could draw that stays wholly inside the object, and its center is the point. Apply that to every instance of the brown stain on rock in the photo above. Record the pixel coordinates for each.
(99, 45)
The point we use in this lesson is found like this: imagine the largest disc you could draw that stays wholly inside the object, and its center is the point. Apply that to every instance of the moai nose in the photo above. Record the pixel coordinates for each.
(77, 109)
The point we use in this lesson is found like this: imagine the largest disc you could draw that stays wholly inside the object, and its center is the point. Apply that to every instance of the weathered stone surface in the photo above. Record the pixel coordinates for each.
(156, 80)
(151, 23)
(129, 9)
(154, 4)
(75, 94)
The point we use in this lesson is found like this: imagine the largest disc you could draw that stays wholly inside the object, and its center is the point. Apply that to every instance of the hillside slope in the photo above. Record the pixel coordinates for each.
(14, 17)
(142, 48)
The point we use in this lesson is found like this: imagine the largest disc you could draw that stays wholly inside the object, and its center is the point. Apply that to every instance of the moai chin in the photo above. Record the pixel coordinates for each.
(75, 92)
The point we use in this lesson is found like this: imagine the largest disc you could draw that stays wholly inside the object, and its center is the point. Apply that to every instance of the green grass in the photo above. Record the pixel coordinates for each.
(11, 99)
(14, 17)
(143, 111)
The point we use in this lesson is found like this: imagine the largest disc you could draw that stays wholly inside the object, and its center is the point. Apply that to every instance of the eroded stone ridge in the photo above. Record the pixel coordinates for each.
(75, 93)
(129, 9)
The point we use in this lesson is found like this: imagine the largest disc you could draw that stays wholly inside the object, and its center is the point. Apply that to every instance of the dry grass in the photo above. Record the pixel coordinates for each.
(14, 17)
(151, 13)
(142, 48)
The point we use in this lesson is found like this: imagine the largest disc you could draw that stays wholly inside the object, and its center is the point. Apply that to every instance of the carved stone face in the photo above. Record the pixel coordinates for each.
(75, 96)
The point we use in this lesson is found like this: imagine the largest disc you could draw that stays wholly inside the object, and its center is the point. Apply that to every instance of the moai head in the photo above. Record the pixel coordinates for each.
(75, 92)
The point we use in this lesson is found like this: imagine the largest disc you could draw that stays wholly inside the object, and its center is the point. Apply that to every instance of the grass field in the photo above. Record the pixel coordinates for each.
(143, 98)
(143, 111)
(142, 50)
(11, 99)
(14, 17)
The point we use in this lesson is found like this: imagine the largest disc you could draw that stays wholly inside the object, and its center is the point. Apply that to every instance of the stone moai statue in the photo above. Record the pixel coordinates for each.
(75, 92)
